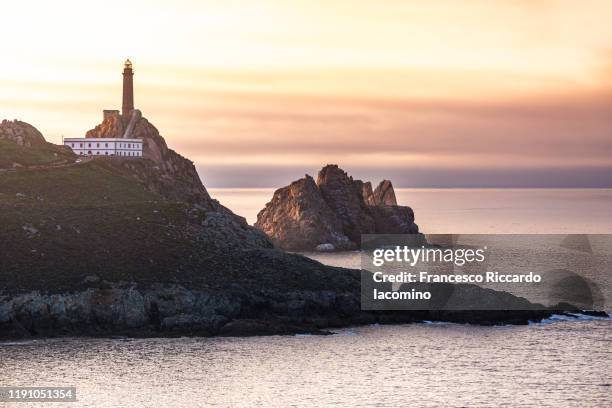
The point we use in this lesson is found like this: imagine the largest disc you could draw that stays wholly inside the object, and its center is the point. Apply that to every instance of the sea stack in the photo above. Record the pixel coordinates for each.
(332, 213)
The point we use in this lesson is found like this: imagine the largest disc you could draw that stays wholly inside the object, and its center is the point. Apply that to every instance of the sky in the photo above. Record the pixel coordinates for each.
(427, 93)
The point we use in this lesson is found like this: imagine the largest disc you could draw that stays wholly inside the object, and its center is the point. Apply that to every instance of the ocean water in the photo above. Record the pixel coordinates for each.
(477, 211)
(559, 363)
(554, 364)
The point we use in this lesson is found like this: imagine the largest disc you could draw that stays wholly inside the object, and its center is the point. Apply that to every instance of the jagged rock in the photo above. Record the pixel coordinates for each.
(298, 217)
(325, 248)
(345, 197)
(21, 133)
(384, 194)
(368, 194)
(335, 211)
(23, 146)
(175, 309)
(396, 219)
(112, 126)
(175, 177)
(176, 173)
(218, 226)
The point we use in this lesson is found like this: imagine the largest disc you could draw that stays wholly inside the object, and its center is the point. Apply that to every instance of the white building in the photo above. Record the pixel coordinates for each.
(105, 146)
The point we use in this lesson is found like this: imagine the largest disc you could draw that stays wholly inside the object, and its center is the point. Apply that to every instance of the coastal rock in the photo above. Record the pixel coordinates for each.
(394, 220)
(325, 248)
(175, 177)
(368, 194)
(175, 174)
(298, 217)
(335, 211)
(21, 133)
(345, 197)
(384, 194)
(169, 310)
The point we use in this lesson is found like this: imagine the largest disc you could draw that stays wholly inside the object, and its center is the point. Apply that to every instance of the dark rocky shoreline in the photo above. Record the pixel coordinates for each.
(173, 310)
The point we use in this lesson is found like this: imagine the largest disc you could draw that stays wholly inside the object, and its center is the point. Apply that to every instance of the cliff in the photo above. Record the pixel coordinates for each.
(332, 213)
(174, 173)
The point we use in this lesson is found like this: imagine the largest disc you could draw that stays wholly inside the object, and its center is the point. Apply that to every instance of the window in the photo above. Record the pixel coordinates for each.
(98, 153)
(97, 144)
(106, 153)
(106, 144)
(88, 144)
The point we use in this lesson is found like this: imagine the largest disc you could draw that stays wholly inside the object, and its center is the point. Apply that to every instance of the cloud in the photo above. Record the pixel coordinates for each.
(274, 176)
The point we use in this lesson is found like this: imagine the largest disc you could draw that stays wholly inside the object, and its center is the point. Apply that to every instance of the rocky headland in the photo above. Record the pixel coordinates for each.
(21, 133)
(22, 146)
(122, 246)
(332, 213)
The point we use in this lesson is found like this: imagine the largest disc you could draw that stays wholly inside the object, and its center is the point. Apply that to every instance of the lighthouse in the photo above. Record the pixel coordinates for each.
(128, 89)
(122, 144)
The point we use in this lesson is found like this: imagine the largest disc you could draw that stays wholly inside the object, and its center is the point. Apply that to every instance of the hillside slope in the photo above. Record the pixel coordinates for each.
(62, 225)
(22, 146)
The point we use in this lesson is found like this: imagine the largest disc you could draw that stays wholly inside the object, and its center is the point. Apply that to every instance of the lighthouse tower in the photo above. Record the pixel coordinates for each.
(116, 138)
(128, 90)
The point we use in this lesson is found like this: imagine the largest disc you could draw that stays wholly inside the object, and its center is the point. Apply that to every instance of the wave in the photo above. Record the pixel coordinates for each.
(570, 317)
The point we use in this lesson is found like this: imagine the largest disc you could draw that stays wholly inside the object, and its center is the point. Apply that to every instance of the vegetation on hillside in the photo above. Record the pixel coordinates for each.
(70, 227)
(13, 155)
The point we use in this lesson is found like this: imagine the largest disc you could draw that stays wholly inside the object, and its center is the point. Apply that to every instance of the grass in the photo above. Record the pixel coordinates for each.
(86, 184)
(61, 225)
(46, 154)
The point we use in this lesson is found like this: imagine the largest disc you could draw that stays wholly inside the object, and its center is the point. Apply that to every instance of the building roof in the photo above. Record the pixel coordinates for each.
(101, 139)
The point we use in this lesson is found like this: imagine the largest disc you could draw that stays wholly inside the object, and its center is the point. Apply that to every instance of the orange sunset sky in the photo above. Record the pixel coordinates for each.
(257, 93)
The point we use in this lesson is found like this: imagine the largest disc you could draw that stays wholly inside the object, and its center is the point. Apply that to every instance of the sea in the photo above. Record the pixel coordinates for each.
(560, 362)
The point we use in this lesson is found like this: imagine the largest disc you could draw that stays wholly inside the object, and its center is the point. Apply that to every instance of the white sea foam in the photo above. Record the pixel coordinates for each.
(570, 318)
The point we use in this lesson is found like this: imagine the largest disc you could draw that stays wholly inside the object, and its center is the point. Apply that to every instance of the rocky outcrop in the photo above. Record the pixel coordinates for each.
(384, 194)
(334, 212)
(22, 147)
(21, 133)
(175, 173)
(175, 177)
(307, 222)
(345, 197)
(173, 310)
